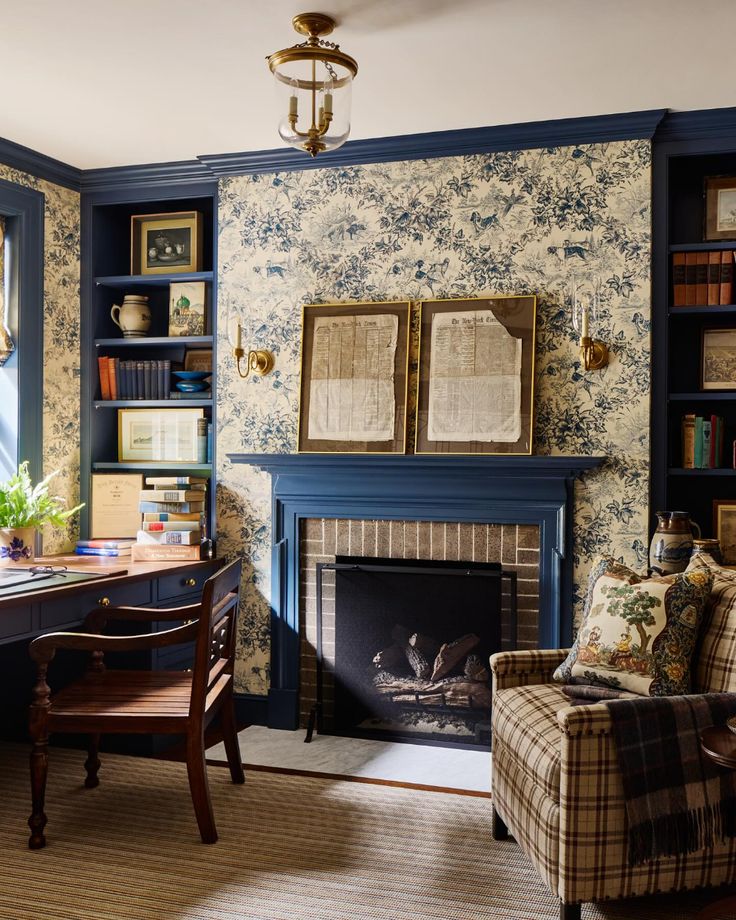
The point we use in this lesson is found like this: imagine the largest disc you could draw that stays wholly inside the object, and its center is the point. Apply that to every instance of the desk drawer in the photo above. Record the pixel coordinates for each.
(75, 609)
(183, 583)
(15, 621)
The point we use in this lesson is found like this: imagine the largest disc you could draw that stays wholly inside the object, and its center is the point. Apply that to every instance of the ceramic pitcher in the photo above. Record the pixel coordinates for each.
(672, 542)
(133, 317)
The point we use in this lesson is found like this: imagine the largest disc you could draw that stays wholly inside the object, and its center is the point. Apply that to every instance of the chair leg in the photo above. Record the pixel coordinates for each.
(39, 772)
(570, 911)
(230, 737)
(197, 770)
(499, 831)
(92, 763)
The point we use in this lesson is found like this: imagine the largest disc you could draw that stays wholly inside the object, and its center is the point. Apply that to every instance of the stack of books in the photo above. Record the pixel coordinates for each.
(122, 547)
(134, 379)
(702, 442)
(174, 518)
(703, 279)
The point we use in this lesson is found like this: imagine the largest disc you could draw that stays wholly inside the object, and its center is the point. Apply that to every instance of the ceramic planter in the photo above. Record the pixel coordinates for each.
(17, 544)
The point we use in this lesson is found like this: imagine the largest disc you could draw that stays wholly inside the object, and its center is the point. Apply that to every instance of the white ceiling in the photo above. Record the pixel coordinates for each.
(117, 82)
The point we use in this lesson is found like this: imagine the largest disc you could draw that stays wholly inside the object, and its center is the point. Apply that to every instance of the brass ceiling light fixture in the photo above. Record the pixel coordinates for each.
(313, 81)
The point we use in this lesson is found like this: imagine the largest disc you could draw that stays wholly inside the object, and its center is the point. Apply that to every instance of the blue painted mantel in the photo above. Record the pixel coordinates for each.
(471, 489)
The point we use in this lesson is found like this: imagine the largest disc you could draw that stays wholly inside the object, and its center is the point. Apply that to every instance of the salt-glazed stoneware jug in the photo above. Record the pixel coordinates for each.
(672, 542)
(133, 317)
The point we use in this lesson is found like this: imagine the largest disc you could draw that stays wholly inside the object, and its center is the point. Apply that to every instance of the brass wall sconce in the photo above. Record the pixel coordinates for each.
(585, 308)
(258, 360)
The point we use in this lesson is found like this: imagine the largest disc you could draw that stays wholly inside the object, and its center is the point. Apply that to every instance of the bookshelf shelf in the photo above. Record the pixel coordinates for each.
(126, 281)
(158, 341)
(152, 403)
(178, 468)
(703, 247)
(703, 396)
(721, 471)
(704, 310)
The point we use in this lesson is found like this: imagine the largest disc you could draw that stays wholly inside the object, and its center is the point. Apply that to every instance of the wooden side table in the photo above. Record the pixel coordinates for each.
(719, 744)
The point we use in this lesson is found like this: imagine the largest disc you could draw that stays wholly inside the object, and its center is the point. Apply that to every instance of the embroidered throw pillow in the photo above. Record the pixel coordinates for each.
(637, 633)
(714, 662)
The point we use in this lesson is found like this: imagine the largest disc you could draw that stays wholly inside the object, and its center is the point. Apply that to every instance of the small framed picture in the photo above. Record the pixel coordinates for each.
(718, 361)
(166, 243)
(720, 208)
(198, 359)
(156, 435)
(724, 528)
(187, 303)
(476, 376)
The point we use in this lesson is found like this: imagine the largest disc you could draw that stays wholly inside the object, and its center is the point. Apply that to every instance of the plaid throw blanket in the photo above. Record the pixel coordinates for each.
(677, 800)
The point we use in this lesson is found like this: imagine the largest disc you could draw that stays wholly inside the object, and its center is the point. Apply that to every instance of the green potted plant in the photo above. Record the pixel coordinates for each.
(23, 509)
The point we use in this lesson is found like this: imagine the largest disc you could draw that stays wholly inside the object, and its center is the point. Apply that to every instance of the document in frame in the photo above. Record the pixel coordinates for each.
(474, 379)
(351, 388)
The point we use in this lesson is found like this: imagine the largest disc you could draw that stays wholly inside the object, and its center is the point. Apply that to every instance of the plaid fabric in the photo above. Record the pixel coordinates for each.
(585, 693)
(677, 799)
(580, 849)
(518, 669)
(715, 657)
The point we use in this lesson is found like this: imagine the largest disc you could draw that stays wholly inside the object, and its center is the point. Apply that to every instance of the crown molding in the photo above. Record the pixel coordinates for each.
(110, 178)
(38, 164)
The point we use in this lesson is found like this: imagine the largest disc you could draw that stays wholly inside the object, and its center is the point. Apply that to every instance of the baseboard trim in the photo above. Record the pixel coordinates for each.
(251, 708)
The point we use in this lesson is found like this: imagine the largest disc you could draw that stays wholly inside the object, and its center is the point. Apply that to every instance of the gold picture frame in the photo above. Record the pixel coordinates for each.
(457, 409)
(158, 435)
(165, 244)
(720, 208)
(724, 528)
(376, 344)
(718, 359)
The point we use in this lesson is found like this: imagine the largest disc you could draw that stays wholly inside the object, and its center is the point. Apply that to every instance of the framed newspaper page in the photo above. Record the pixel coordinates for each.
(354, 377)
(476, 376)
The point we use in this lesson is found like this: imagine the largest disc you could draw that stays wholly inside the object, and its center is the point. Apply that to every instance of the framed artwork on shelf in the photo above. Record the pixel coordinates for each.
(198, 359)
(724, 528)
(718, 359)
(158, 435)
(187, 308)
(166, 243)
(354, 378)
(720, 208)
(476, 376)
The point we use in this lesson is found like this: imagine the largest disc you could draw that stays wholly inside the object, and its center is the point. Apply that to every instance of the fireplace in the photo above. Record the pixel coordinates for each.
(482, 494)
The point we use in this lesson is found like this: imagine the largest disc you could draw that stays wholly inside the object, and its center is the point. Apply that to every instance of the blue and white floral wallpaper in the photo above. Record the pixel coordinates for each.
(511, 222)
(61, 391)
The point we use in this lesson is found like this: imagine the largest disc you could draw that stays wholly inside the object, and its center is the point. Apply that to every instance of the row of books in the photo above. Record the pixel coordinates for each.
(702, 278)
(702, 442)
(134, 379)
(172, 527)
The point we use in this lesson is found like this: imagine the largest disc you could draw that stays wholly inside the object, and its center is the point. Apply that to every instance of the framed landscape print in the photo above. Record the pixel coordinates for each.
(720, 208)
(724, 528)
(476, 376)
(354, 376)
(158, 434)
(166, 243)
(718, 362)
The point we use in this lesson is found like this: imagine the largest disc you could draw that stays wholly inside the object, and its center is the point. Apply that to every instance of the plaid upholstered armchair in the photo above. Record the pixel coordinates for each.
(556, 783)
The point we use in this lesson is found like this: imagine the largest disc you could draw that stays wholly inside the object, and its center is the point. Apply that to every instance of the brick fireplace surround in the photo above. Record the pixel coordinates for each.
(501, 501)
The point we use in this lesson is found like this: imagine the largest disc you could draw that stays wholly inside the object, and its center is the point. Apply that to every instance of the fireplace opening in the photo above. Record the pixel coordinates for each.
(412, 639)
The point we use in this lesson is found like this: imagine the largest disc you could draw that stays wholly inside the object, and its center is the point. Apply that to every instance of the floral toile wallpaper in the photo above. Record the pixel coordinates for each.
(61, 345)
(511, 222)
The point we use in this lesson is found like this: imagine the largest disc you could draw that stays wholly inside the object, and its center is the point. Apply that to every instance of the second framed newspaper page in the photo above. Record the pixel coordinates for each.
(354, 378)
(476, 376)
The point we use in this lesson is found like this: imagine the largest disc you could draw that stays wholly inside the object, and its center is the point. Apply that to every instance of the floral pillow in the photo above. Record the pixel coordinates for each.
(637, 634)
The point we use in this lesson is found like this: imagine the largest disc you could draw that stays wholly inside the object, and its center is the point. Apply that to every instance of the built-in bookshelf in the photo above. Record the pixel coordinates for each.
(106, 279)
(680, 171)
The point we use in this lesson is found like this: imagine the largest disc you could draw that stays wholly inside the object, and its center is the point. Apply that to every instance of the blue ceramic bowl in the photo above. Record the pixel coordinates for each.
(191, 386)
(191, 375)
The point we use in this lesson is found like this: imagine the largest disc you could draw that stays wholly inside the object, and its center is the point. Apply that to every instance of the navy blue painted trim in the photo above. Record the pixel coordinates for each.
(25, 208)
(179, 173)
(702, 124)
(250, 708)
(557, 133)
(38, 164)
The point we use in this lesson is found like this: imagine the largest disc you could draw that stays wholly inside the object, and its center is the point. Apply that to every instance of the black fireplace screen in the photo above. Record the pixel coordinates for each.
(412, 642)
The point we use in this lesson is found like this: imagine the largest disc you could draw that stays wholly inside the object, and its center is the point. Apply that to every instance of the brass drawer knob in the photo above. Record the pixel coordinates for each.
(103, 601)
(190, 582)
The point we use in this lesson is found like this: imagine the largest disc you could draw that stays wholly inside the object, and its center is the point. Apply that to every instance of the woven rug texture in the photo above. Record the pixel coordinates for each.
(290, 848)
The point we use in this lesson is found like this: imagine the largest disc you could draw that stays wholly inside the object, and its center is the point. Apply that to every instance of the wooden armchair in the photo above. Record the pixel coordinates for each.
(144, 702)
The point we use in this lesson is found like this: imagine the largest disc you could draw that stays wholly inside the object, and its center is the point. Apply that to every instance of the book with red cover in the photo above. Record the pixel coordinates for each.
(112, 378)
(104, 378)
(714, 278)
(726, 277)
(701, 277)
(678, 279)
(690, 267)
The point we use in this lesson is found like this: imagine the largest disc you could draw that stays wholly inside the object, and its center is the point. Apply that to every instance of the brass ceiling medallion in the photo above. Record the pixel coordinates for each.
(313, 80)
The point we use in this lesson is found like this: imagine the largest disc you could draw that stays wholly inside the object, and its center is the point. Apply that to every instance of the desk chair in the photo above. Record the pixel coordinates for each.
(144, 702)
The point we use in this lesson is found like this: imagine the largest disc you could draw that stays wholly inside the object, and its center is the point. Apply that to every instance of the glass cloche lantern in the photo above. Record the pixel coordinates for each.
(313, 83)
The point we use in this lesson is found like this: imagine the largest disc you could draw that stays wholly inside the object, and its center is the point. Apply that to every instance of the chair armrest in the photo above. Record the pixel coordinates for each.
(517, 669)
(96, 619)
(592, 719)
(43, 648)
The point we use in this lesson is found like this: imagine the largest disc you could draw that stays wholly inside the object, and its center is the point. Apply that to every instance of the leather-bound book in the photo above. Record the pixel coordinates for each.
(726, 277)
(678, 279)
(714, 278)
(701, 278)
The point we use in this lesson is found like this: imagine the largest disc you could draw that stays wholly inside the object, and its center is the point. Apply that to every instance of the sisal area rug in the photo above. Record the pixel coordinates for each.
(290, 848)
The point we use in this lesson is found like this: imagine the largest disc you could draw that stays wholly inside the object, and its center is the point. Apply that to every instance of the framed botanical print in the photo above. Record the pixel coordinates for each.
(476, 376)
(354, 376)
(720, 208)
